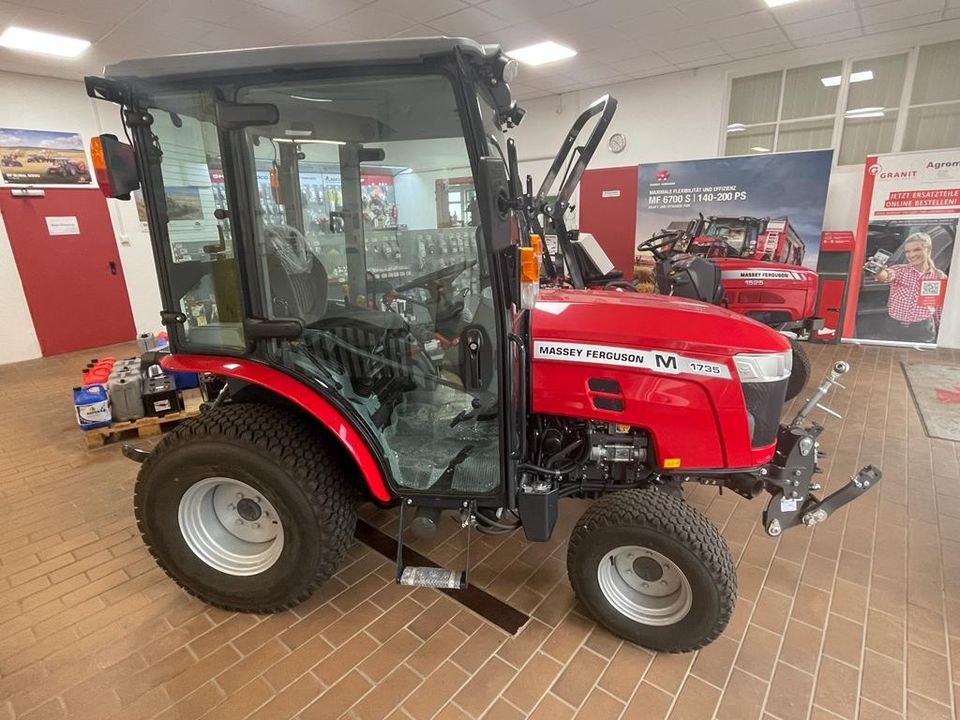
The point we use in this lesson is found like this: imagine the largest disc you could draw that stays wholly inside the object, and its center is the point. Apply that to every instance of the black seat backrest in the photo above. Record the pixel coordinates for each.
(695, 278)
(301, 295)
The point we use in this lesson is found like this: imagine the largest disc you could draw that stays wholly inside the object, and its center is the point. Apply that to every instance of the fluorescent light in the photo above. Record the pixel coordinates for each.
(310, 99)
(298, 133)
(542, 53)
(834, 80)
(736, 127)
(778, 3)
(864, 112)
(759, 148)
(301, 142)
(40, 42)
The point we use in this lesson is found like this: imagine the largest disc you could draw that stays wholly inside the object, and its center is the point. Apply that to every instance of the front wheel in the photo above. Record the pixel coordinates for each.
(800, 373)
(246, 507)
(653, 570)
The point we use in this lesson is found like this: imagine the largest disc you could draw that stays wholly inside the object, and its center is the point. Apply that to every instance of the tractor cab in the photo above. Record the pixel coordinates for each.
(763, 239)
(307, 221)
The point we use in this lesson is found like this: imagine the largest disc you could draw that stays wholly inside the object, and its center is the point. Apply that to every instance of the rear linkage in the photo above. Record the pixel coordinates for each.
(789, 476)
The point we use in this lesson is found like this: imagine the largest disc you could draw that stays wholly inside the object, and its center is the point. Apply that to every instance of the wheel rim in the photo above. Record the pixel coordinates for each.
(231, 526)
(644, 585)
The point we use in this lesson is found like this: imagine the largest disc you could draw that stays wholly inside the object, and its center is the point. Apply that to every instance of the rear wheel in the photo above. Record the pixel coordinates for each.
(800, 373)
(653, 570)
(246, 507)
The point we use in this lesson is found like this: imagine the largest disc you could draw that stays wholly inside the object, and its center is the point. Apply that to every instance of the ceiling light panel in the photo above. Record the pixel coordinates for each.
(17, 38)
(542, 53)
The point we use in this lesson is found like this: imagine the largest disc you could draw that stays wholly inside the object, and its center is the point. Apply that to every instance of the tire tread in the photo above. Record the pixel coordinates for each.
(294, 445)
(671, 516)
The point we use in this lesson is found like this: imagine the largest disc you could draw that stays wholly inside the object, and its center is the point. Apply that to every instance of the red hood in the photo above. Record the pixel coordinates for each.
(651, 322)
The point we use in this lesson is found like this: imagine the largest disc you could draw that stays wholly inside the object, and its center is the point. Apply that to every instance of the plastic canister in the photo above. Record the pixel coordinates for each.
(125, 399)
(92, 405)
(145, 342)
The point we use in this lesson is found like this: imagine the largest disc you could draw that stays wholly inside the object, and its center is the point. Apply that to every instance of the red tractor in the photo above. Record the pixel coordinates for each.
(67, 168)
(436, 381)
(758, 271)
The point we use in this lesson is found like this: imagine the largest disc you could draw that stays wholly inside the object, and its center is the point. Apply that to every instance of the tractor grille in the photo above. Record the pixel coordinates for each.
(764, 403)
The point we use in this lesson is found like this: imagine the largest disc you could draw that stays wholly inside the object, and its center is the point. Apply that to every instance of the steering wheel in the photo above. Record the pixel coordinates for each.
(443, 276)
(657, 243)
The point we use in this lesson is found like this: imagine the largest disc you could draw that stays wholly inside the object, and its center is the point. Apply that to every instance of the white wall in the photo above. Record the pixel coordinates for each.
(51, 104)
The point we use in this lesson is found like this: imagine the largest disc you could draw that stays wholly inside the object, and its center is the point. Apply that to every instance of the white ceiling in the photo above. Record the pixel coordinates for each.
(618, 40)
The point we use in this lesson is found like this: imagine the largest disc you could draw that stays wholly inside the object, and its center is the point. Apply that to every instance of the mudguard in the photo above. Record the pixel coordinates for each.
(298, 393)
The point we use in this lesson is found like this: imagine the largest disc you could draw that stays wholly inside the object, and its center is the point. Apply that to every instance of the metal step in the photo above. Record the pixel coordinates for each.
(432, 577)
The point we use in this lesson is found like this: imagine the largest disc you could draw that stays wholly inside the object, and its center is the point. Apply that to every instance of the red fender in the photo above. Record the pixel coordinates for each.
(297, 392)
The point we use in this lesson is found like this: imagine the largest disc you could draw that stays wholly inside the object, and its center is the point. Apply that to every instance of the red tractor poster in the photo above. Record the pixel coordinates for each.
(43, 157)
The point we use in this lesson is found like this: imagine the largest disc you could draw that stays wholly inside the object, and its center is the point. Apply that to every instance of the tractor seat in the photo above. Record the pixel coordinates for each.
(298, 280)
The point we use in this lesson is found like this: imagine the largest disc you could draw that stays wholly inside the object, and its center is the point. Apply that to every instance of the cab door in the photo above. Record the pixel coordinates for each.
(359, 240)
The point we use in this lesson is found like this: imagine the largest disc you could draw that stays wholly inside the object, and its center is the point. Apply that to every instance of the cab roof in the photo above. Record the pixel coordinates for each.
(231, 62)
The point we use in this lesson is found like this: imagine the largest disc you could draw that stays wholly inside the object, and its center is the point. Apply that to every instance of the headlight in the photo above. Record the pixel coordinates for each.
(769, 367)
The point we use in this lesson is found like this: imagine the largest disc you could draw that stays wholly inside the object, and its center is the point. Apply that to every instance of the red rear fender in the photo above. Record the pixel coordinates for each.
(298, 393)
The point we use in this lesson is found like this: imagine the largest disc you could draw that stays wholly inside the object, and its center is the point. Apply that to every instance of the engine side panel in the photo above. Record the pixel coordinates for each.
(685, 393)
(676, 413)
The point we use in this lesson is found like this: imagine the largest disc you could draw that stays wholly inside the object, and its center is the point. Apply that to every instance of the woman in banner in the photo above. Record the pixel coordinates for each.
(913, 308)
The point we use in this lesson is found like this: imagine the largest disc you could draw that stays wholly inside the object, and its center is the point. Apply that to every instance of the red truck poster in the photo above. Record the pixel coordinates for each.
(906, 240)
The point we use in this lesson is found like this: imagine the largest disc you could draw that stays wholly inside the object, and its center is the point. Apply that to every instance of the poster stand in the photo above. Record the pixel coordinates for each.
(905, 247)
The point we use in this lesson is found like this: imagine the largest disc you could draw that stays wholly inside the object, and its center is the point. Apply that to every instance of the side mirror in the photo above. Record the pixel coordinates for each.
(115, 166)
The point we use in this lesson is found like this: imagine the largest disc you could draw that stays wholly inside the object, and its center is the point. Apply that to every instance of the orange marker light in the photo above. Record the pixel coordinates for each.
(671, 462)
(100, 166)
(537, 245)
(529, 277)
(529, 265)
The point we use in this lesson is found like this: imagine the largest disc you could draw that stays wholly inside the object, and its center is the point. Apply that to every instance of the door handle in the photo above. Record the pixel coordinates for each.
(113, 267)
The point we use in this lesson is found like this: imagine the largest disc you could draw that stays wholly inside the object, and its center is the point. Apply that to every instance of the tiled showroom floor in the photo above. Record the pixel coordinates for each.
(859, 618)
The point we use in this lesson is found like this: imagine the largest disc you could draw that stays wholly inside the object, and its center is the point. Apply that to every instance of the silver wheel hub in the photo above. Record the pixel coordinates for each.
(230, 526)
(644, 585)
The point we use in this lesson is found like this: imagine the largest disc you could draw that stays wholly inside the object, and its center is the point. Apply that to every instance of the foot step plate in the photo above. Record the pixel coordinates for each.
(431, 577)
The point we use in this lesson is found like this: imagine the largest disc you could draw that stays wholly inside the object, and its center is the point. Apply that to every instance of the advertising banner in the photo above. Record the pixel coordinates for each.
(43, 157)
(906, 234)
(763, 207)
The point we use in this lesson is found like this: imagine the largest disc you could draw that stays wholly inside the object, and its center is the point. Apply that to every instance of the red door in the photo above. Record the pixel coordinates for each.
(608, 211)
(66, 254)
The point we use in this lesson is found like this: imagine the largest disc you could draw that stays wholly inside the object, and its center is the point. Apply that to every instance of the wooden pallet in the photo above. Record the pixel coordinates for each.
(143, 427)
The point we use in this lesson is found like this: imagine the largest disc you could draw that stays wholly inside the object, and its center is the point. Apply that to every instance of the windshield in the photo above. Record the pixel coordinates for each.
(730, 235)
